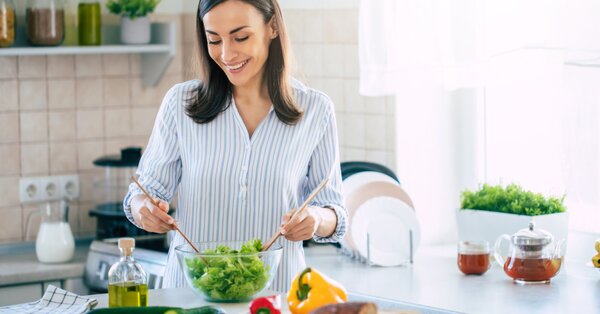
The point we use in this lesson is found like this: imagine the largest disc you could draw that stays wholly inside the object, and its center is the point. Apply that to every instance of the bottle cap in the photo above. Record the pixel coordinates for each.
(126, 243)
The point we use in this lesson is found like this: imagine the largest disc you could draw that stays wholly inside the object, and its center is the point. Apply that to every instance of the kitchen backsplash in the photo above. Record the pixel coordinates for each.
(59, 113)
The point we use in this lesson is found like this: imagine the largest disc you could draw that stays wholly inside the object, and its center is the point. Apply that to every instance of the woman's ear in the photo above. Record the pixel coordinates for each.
(273, 28)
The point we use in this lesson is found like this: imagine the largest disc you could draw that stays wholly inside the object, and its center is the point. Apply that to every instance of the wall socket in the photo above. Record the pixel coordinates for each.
(50, 188)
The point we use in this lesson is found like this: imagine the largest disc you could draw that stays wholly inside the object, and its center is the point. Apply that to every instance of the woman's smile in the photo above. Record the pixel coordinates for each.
(236, 67)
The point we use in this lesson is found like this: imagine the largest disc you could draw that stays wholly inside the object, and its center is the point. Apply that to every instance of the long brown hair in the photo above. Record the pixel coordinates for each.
(214, 94)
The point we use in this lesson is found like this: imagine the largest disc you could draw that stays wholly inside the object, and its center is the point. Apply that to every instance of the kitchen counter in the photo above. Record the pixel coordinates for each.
(435, 281)
(19, 265)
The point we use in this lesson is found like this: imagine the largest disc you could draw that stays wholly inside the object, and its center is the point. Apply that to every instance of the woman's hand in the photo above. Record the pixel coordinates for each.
(313, 220)
(150, 217)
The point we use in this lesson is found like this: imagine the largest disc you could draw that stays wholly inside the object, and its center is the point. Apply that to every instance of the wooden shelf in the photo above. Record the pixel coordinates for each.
(155, 57)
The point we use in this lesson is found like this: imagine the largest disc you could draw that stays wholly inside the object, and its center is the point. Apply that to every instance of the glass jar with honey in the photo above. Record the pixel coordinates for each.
(533, 256)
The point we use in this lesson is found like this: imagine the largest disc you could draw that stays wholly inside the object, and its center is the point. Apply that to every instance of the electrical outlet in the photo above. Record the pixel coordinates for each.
(69, 186)
(29, 190)
(50, 188)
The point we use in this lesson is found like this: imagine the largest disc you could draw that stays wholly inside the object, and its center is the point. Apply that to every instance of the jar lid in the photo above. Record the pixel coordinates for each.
(532, 237)
(130, 157)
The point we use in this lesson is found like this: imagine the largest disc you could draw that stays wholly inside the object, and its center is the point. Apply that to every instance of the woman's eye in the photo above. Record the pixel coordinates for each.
(213, 42)
(241, 39)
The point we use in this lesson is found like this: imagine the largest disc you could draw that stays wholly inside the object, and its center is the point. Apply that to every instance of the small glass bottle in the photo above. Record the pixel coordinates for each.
(127, 280)
(45, 22)
(7, 23)
(90, 23)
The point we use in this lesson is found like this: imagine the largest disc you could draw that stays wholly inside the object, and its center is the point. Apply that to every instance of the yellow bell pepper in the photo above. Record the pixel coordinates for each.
(311, 290)
(596, 260)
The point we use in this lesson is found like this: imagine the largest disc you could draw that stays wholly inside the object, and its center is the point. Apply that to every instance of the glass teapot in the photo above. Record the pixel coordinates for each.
(54, 242)
(533, 256)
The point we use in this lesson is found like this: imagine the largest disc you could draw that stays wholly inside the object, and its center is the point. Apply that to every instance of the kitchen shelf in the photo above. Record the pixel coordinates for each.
(155, 57)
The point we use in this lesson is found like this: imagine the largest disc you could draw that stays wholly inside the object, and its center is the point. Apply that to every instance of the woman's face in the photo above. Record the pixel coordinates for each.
(238, 41)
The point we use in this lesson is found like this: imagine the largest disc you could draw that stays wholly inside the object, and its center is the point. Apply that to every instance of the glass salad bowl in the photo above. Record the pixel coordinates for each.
(231, 271)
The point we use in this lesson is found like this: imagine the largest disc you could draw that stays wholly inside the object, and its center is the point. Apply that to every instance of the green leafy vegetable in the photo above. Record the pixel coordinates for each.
(233, 276)
(132, 8)
(512, 199)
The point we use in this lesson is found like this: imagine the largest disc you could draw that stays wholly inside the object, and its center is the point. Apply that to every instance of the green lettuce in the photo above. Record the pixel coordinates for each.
(229, 277)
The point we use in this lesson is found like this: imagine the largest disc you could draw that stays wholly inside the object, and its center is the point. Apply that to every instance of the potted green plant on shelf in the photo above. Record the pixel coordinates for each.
(491, 211)
(135, 23)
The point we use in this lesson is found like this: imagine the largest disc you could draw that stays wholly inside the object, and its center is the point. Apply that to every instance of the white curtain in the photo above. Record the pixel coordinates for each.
(488, 90)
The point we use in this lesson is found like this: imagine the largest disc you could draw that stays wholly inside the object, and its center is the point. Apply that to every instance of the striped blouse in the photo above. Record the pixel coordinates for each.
(232, 187)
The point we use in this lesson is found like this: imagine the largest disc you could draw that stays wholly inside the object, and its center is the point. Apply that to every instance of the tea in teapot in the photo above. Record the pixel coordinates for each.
(532, 258)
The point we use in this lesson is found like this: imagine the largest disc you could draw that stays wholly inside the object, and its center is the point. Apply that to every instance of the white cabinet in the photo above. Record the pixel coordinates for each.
(29, 292)
(20, 294)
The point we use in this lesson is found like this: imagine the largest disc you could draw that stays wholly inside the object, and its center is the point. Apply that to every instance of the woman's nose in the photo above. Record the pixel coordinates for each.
(228, 52)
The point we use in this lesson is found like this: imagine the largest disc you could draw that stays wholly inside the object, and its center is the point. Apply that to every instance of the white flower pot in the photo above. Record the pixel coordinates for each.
(478, 225)
(135, 31)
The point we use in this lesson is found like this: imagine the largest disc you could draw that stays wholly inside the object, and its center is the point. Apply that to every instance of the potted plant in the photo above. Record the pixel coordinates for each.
(135, 23)
(491, 211)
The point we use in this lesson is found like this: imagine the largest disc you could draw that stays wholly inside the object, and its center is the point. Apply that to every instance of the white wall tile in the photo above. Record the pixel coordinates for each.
(8, 67)
(375, 132)
(333, 60)
(377, 156)
(11, 232)
(142, 120)
(34, 126)
(116, 91)
(61, 93)
(88, 65)
(10, 95)
(32, 94)
(334, 88)
(354, 128)
(310, 60)
(9, 128)
(62, 125)
(32, 66)
(375, 105)
(34, 159)
(87, 152)
(9, 191)
(63, 157)
(10, 154)
(90, 124)
(354, 154)
(390, 133)
(115, 64)
(351, 62)
(61, 66)
(89, 93)
(117, 122)
(353, 102)
(340, 25)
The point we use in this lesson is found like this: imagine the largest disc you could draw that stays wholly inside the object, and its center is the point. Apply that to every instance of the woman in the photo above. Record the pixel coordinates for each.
(243, 146)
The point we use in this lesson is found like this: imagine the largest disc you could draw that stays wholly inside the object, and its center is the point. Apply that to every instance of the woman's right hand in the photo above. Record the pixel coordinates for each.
(150, 217)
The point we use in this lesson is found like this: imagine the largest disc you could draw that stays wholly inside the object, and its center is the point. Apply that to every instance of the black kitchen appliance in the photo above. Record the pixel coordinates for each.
(111, 219)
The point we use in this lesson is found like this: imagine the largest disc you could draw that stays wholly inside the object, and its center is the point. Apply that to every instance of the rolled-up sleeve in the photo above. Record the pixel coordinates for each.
(159, 169)
(325, 162)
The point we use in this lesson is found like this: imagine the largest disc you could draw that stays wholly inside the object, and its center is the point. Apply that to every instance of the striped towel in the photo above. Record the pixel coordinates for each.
(55, 300)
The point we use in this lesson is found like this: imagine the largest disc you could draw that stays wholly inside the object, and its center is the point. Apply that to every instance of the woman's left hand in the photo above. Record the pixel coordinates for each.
(303, 226)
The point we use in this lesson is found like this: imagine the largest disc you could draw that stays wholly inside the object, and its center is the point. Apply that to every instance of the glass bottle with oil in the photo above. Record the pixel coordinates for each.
(127, 280)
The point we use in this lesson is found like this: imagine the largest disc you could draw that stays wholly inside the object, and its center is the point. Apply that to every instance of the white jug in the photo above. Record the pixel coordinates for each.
(54, 242)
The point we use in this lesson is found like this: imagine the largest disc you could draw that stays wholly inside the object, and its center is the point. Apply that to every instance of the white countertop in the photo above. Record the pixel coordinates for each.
(433, 280)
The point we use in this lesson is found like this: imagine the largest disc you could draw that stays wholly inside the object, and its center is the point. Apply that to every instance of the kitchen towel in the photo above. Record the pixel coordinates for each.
(55, 300)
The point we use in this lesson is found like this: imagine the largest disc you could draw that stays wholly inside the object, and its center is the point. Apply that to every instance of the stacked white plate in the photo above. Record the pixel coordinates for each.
(381, 219)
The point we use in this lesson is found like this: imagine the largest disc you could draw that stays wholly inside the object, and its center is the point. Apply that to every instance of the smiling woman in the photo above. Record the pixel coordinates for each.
(243, 145)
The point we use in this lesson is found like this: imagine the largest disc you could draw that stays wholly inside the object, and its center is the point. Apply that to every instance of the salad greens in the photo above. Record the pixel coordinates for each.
(229, 277)
(512, 199)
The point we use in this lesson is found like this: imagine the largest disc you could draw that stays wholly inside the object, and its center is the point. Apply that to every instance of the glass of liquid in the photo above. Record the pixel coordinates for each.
(473, 257)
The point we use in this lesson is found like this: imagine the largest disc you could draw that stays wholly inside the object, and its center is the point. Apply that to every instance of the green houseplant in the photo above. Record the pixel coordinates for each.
(493, 210)
(135, 23)
(511, 199)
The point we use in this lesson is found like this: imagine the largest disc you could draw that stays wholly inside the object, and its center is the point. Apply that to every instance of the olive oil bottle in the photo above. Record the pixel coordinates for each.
(127, 280)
